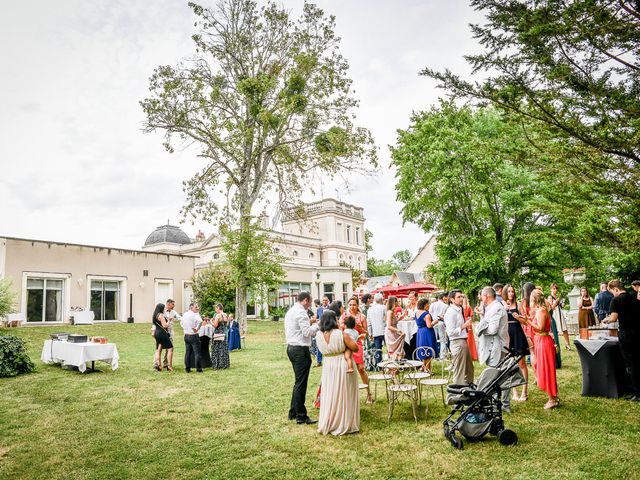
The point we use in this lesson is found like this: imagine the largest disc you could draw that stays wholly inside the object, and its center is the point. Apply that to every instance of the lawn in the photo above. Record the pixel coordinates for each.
(138, 423)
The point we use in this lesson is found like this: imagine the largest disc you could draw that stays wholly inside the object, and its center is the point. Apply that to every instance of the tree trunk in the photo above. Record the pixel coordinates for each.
(243, 249)
(241, 305)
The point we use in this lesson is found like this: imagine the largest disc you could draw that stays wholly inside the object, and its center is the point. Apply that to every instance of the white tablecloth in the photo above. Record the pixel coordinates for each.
(206, 330)
(78, 354)
(409, 327)
(83, 317)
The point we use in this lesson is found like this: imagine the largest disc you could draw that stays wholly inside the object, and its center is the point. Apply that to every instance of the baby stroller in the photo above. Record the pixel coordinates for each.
(479, 407)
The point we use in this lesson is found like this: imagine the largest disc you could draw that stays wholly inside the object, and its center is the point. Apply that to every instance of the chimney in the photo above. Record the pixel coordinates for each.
(200, 236)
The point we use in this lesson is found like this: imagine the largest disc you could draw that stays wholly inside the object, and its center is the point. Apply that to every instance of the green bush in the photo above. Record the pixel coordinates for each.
(13, 357)
(7, 297)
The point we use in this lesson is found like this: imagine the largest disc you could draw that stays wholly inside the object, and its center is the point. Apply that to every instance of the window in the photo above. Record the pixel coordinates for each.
(44, 299)
(341, 257)
(276, 250)
(348, 233)
(216, 256)
(339, 232)
(311, 256)
(295, 253)
(345, 294)
(359, 263)
(357, 236)
(328, 291)
(105, 299)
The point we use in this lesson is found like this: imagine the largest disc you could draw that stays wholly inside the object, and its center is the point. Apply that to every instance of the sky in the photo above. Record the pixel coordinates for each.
(75, 164)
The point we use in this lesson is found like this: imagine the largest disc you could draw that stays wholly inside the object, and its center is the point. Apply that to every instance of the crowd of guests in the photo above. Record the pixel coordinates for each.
(524, 321)
(208, 340)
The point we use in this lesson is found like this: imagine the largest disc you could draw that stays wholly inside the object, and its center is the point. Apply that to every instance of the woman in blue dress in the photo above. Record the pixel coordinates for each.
(426, 336)
(234, 334)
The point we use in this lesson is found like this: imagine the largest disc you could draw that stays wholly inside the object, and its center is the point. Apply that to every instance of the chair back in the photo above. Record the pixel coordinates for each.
(424, 352)
(390, 370)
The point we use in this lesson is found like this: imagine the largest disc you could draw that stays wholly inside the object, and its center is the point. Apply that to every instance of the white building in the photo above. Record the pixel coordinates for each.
(321, 251)
(52, 279)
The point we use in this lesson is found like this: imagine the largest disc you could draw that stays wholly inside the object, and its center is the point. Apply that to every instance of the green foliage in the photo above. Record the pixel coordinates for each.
(7, 297)
(378, 268)
(14, 359)
(212, 286)
(495, 219)
(569, 69)
(402, 258)
(250, 257)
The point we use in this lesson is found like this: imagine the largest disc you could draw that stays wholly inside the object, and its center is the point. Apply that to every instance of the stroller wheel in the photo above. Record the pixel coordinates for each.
(455, 441)
(507, 437)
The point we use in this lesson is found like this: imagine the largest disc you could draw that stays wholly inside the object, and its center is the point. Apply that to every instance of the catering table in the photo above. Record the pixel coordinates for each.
(603, 370)
(82, 317)
(78, 354)
(409, 327)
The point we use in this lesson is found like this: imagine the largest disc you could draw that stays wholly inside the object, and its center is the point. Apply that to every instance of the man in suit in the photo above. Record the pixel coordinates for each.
(493, 335)
(602, 301)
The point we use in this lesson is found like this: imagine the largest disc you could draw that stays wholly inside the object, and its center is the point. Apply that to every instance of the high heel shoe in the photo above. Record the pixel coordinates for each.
(568, 347)
(170, 369)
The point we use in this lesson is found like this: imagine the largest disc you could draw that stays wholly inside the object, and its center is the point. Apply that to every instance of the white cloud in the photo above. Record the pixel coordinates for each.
(75, 164)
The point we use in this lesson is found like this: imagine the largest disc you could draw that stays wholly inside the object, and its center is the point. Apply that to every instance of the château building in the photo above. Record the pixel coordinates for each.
(53, 279)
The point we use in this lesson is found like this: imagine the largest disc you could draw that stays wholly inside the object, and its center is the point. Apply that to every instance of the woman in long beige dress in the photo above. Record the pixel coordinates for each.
(339, 402)
(393, 337)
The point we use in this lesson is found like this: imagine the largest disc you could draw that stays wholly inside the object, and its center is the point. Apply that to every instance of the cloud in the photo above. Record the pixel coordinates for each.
(76, 165)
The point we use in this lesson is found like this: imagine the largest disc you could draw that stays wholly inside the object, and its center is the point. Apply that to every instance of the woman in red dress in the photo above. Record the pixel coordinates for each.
(526, 312)
(467, 312)
(545, 367)
(353, 309)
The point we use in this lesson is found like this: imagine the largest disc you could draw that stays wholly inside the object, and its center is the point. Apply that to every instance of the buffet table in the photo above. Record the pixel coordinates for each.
(603, 369)
(82, 317)
(409, 327)
(78, 354)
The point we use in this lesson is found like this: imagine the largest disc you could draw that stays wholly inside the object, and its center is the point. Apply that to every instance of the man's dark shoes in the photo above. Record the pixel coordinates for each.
(292, 417)
(199, 370)
(306, 421)
(188, 370)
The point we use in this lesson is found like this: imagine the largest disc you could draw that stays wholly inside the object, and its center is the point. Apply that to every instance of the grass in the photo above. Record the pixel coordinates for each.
(137, 423)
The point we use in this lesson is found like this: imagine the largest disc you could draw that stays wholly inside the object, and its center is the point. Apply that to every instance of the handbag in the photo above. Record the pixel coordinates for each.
(218, 337)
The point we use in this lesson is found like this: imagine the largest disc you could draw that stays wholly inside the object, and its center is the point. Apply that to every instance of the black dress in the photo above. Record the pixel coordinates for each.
(219, 349)
(162, 337)
(517, 338)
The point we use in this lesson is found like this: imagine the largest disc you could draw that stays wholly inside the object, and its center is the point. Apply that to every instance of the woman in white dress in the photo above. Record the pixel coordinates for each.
(339, 402)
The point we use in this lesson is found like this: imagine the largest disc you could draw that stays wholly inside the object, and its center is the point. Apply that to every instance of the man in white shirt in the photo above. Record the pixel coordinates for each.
(299, 329)
(375, 323)
(437, 311)
(190, 323)
(493, 335)
(457, 332)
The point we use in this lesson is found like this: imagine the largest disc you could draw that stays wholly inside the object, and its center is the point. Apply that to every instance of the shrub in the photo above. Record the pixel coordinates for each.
(13, 357)
(7, 297)
(214, 285)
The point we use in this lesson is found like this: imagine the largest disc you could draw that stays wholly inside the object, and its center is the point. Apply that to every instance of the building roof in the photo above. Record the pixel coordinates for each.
(373, 281)
(167, 234)
(404, 278)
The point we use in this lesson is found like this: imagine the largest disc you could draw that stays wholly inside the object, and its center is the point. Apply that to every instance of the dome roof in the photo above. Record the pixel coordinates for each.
(167, 234)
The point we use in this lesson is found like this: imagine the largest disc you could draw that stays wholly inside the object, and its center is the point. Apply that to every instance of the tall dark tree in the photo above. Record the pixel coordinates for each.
(574, 68)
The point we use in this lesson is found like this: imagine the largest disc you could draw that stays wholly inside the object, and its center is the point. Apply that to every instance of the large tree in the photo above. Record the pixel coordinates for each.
(574, 68)
(267, 102)
(459, 175)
